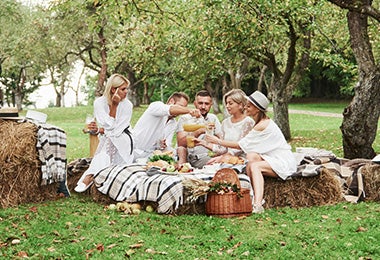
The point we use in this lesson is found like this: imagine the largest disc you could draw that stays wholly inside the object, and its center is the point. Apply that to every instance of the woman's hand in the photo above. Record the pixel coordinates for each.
(201, 142)
(211, 139)
(116, 97)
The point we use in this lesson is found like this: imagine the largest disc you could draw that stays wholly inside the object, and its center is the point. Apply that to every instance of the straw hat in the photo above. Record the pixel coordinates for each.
(10, 113)
(259, 100)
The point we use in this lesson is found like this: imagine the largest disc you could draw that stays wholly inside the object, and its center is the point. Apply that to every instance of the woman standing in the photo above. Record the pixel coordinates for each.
(268, 153)
(113, 113)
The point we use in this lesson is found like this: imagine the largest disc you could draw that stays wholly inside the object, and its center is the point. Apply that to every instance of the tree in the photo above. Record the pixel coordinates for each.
(361, 116)
(20, 73)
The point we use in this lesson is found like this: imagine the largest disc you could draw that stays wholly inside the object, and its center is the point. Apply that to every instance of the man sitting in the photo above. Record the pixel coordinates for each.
(197, 156)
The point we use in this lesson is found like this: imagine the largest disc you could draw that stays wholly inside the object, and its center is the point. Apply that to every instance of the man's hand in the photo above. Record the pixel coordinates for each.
(195, 113)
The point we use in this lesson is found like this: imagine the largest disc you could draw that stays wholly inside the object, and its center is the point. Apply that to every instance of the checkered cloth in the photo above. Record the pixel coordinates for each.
(51, 147)
(132, 183)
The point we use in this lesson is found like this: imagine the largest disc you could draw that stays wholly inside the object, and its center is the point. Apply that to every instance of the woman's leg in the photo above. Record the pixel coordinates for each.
(257, 168)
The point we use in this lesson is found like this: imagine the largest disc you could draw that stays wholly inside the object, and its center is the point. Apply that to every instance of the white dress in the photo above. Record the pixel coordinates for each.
(153, 126)
(115, 146)
(273, 148)
(234, 132)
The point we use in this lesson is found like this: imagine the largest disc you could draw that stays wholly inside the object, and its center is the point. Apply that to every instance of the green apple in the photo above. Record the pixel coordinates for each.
(170, 168)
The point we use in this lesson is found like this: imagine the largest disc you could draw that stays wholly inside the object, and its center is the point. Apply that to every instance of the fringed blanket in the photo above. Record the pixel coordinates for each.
(132, 183)
(51, 147)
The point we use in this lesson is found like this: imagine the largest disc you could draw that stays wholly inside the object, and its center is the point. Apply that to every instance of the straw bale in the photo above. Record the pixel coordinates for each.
(324, 189)
(20, 172)
(75, 170)
(371, 175)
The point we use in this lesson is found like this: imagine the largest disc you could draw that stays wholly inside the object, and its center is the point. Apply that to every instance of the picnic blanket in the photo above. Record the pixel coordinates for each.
(51, 147)
(132, 183)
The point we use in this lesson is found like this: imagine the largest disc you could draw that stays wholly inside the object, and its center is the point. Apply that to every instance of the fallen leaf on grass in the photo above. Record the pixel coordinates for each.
(129, 253)
(187, 237)
(152, 251)
(136, 245)
(246, 253)
(361, 229)
(51, 249)
(16, 241)
(33, 209)
(100, 247)
(111, 246)
(22, 254)
(55, 232)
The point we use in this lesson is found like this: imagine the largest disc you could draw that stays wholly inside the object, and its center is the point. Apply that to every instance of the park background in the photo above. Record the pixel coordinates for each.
(291, 50)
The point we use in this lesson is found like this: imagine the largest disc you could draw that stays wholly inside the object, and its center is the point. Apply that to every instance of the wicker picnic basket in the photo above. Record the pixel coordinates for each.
(228, 204)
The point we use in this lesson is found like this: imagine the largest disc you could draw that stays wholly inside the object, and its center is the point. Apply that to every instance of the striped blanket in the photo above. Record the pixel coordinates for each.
(132, 183)
(51, 147)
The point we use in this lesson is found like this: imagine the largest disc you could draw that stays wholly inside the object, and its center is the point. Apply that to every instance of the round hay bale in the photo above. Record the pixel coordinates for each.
(324, 189)
(20, 171)
(371, 174)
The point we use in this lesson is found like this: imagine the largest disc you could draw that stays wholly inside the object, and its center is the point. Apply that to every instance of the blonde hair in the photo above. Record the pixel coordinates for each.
(237, 95)
(114, 81)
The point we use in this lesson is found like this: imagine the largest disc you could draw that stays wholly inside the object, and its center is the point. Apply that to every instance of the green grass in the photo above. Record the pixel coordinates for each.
(78, 228)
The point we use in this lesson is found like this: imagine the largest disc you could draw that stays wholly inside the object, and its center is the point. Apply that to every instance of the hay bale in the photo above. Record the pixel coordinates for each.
(20, 171)
(371, 174)
(324, 189)
(75, 170)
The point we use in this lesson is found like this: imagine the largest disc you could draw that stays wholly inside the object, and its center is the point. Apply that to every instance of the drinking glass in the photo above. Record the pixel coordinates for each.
(89, 119)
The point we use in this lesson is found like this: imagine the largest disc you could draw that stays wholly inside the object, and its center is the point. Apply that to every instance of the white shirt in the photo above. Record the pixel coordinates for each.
(154, 125)
(272, 147)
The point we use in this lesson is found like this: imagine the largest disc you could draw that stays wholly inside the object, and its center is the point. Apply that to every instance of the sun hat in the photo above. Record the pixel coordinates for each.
(36, 116)
(10, 113)
(259, 100)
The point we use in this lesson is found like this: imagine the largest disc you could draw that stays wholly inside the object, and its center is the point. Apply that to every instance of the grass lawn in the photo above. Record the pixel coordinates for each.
(78, 228)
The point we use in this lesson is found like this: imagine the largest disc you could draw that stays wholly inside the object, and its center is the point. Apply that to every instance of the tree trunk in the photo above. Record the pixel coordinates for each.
(145, 94)
(103, 69)
(213, 92)
(360, 118)
(280, 111)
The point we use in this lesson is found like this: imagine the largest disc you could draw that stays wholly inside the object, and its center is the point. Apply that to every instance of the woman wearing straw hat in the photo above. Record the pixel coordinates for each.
(268, 153)
(113, 111)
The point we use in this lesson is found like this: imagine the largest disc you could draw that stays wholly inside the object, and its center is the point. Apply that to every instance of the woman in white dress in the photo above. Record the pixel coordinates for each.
(234, 127)
(268, 153)
(113, 113)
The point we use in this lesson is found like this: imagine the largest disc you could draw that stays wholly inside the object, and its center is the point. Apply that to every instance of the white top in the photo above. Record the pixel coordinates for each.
(273, 148)
(153, 126)
(234, 132)
(114, 146)
(210, 118)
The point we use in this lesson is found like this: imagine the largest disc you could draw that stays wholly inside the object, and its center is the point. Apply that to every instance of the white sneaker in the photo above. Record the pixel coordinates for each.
(258, 209)
(81, 187)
